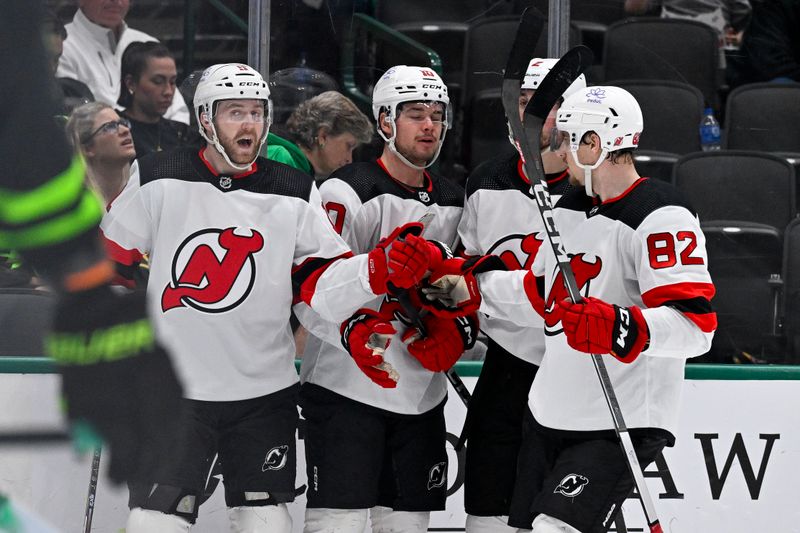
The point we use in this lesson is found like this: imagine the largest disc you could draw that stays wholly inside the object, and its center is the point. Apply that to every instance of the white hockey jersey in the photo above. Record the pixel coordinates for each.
(501, 217)
(366, 204)
(643, 248)
(228, 257)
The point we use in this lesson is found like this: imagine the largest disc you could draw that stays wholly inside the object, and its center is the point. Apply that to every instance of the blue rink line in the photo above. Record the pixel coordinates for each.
(44, 365)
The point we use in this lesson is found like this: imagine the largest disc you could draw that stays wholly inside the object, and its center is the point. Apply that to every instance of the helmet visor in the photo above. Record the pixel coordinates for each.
(558, 138)
(418, 112)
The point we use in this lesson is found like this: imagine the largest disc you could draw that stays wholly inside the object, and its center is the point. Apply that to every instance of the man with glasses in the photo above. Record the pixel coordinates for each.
(233, 240)
(373, 389)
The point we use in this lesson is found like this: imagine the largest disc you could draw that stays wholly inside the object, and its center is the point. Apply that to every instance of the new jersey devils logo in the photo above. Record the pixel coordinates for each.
(584, 273)
(517, 251)
(213, 270)
(276, 458)
(572, 485)
(437, 475)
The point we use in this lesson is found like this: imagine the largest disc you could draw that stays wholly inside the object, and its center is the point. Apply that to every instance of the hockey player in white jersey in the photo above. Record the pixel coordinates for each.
(234, 240)
(375, 440)
(639, 258)
(501, 218)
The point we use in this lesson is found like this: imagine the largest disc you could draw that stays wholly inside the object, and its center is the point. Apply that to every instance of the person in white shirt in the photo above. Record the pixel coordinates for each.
(96, 40)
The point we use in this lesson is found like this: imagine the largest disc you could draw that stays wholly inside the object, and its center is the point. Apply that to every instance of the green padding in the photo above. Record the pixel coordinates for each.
(87, 214)
(44, 365)
(58, 193)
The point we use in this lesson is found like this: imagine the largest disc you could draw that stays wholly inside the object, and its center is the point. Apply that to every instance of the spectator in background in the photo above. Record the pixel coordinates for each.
(148, 88)
(104, 139)
(326, 129)
(727, 17)
(771, 47)
(96, 40)
(70, 92)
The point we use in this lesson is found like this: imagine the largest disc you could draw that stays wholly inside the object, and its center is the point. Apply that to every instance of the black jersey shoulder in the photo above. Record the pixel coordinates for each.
(575, 199)
(184, 164)
(498, 173)
(447, 192)
(646, 197)
(369, 181)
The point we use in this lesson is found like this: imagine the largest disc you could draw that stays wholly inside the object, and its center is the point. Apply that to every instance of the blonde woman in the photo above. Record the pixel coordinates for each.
(104, 139)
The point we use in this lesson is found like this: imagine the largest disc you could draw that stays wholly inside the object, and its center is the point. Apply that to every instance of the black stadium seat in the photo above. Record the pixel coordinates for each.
(672, 111)
(664, 49)
(738, 185)
(744, 261)
(763, 116)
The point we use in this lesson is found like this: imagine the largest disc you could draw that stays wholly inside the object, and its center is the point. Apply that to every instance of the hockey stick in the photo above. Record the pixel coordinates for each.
(549, 91)
(92, 495)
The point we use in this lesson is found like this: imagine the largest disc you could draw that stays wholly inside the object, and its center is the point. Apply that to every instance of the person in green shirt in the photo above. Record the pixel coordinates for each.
(323, 132)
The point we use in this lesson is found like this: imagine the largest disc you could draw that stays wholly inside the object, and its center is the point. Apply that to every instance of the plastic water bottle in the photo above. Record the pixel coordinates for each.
(709, 131)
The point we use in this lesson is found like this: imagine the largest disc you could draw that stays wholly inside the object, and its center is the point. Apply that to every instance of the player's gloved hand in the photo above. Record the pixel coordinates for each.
(445, 340)
(437, 251)
(594, 326)
(452, 289)
(397, 264)
(115, 376)
(366, 336)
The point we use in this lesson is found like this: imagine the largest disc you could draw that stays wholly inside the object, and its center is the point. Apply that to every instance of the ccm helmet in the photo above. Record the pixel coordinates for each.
(409, 84)
(538, 68)
(611, 112)
(230, 81)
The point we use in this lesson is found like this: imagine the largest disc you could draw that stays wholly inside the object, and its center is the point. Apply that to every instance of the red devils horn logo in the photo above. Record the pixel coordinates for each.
(584, 273)
(213, 270)
(517, 251)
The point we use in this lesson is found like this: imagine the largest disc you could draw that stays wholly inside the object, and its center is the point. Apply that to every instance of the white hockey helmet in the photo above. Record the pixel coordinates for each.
(404, 83)
(230, 81)
(611, 112)
(538, 69)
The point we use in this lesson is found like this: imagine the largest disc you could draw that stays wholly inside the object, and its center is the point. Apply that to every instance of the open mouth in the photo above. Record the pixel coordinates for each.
(127, 142)
(245, 143)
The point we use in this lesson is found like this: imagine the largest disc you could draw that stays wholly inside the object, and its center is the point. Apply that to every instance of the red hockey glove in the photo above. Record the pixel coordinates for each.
(452, 290)
(397, 262)
(594, 326)
(438, 252)
(365, 336)
(446, 340)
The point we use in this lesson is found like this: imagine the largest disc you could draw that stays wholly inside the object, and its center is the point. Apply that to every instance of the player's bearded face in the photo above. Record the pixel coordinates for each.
(419, 128)
(240, 125)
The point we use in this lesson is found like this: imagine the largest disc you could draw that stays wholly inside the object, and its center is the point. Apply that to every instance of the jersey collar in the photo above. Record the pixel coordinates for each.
(551, 179)
(427, 184)
(202, 153)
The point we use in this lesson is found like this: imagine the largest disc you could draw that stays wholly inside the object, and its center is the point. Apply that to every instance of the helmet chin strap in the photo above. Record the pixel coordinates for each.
(401, 157)
(214, 140)
(587, 171)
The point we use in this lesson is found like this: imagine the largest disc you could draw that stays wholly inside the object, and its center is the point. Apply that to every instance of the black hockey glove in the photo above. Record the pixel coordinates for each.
(115, 377)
